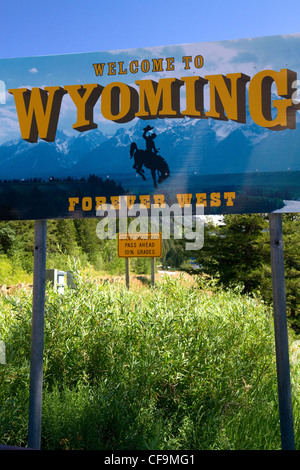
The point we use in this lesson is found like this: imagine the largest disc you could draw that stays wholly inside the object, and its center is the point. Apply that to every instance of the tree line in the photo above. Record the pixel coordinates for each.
(67, 239)
(235, 253)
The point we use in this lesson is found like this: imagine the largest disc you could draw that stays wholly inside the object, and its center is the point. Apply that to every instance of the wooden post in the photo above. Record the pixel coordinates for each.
(153, 271)
(37, 336)
(281, 332)
(127, 272)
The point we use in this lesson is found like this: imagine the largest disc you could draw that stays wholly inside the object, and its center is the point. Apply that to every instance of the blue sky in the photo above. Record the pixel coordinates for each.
(69, 26)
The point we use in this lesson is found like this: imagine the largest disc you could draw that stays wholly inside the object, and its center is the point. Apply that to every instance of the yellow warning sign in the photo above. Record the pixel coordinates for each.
(139, 245)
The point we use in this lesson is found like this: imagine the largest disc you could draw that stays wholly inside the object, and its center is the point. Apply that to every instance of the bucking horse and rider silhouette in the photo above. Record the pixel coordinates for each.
(149, 158)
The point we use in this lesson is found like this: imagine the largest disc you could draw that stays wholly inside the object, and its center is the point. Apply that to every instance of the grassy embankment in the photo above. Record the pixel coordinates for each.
(183, 366)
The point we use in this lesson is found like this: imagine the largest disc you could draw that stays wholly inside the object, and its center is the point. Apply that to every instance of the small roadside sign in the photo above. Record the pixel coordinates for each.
(139, 245)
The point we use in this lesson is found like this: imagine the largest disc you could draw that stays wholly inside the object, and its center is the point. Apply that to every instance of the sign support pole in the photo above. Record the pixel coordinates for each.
(127, 272)
(37, 336)
(281, 332)
(153, 271)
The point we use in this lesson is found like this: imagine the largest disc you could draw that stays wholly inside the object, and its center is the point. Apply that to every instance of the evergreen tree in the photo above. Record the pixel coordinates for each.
(173, 253)
(7, 238)
(207, 257)
(87, 239)
(66, 237)
(291, 247)
(235, 250)
(243, 247)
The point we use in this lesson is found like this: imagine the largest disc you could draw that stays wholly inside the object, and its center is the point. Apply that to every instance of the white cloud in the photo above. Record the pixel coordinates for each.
(9, 129)
(33, 70)
(2, 92)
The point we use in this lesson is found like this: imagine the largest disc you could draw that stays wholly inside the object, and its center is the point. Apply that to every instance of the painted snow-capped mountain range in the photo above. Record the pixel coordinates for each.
(191, 146)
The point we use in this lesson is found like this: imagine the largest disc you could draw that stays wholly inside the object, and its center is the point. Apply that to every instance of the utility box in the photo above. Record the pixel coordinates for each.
(57, 279)
(2, 353)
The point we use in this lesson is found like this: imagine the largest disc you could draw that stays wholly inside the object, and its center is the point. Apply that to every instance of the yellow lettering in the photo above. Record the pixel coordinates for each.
(229, 198)
(260, 102)
(194, 96)
(134, 66)
(100, 203)
(86, 203)
(186, 60)
(184, 199)
(119, 102)
(215, 199)
(145, 201)
(170, 64)
(145, 65)
(159, 99)
(130, 200)
(198, 61)
(121, 71)
(98, 69)
(159, 201)
(72, 202)
(38, 111)
(111, 68)
(115, 201)
(84, 97)
(201, 199)
(157, 65)
(227, 95)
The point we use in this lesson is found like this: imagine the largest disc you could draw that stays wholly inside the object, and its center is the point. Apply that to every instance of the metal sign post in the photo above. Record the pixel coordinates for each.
(281, 332)
(127, 277)
(153, 272)
(37, 335)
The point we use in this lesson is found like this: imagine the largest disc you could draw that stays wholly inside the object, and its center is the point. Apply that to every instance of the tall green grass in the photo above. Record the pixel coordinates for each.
(181, 366)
